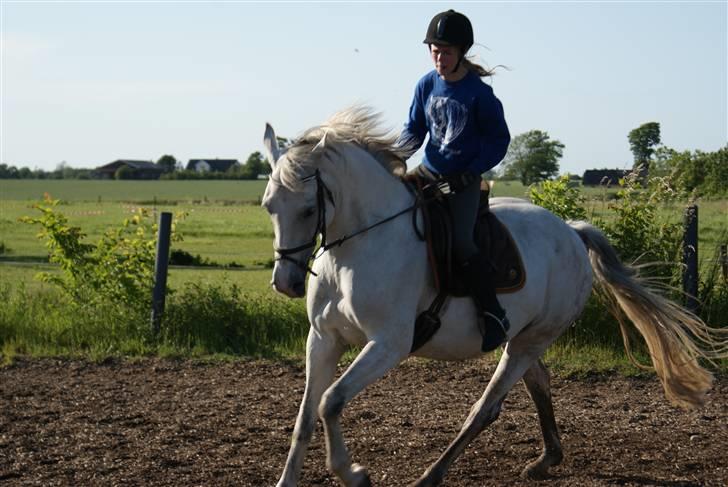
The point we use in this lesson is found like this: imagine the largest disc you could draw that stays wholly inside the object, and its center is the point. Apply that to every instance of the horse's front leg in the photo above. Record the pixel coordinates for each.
(373, 362)
(322, 355)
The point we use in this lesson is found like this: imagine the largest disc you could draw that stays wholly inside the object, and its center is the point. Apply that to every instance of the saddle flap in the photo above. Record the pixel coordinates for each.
(491, 236)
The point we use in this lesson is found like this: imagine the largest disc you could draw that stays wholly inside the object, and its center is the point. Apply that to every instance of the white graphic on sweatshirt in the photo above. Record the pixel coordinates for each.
(448, 118)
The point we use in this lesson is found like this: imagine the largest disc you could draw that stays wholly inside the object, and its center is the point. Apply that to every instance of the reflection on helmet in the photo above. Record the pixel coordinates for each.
(450, 28)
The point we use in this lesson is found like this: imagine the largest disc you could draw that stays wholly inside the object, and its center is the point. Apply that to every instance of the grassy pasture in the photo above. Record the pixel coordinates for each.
(224, 224)
(131, 191)
(222, 233)
(222, 228)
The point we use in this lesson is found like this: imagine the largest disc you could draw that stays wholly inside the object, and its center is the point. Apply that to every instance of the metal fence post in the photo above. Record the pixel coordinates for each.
(690, 258)
(160, 270)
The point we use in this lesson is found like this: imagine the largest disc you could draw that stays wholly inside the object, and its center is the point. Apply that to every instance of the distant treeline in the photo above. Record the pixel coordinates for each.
(61, 172)
(168, 168)
(697, 172)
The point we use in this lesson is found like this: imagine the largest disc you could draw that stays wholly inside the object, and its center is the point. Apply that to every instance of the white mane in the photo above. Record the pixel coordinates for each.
(357, 125)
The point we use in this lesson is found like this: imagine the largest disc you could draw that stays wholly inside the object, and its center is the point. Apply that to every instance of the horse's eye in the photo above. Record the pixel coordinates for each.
(308, 212)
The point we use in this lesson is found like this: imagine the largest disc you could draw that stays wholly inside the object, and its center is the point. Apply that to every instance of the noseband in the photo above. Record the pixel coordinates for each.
(323, 192)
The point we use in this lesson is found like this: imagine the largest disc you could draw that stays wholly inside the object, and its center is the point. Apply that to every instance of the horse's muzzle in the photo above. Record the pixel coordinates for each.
(289, 280)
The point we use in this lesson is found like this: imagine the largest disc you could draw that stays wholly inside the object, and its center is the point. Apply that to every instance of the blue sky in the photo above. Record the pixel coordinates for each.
(91, 82)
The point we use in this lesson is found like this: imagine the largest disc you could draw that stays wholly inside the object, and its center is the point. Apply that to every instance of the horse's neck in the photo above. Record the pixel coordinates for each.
(367, 194)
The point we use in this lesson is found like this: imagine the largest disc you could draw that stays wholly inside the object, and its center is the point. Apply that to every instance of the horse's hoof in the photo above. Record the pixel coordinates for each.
(426, 480)
(361, 476)
(535, 471)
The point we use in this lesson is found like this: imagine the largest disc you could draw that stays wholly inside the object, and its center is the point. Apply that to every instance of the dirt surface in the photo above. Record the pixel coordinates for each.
(179, 423)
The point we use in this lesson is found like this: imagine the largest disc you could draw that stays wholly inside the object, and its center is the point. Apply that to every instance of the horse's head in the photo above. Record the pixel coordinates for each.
(350, 146)
(300, 206)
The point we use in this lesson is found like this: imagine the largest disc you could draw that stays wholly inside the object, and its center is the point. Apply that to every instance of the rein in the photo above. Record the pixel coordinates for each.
(322, 192)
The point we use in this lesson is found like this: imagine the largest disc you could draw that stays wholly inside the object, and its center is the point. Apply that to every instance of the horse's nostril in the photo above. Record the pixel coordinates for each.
(299, 288)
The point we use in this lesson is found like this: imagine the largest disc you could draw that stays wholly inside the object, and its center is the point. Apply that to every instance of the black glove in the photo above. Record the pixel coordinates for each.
(460, 180)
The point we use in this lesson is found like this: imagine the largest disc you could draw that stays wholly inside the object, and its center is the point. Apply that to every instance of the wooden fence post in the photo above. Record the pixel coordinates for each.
(690, 258)
(724, 261)
(160, 270)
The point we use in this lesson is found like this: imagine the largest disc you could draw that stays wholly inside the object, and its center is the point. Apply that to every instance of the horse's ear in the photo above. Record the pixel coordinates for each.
(272, 152)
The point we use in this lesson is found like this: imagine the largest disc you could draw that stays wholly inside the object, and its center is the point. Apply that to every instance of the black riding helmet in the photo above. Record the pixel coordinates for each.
(450, 28)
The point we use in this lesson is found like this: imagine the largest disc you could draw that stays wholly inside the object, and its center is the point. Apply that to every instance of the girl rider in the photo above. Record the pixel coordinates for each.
(468, 136)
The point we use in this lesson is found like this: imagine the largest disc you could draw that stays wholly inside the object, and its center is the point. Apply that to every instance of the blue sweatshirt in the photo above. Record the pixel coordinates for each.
(465, 121)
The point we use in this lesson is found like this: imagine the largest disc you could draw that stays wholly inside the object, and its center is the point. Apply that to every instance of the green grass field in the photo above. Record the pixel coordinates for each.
(131, 191)
(222, 229)
(224, 223)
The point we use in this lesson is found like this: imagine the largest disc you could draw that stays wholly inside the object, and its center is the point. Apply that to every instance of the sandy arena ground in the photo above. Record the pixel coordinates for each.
(183, 423)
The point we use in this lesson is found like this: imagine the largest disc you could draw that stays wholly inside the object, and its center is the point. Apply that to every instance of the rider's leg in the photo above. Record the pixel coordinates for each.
(475, 267)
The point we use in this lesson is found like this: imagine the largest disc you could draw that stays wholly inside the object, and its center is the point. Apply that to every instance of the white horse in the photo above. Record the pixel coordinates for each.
(342, 178)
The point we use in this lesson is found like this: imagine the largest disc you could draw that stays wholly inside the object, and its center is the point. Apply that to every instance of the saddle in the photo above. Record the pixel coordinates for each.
(491, 236)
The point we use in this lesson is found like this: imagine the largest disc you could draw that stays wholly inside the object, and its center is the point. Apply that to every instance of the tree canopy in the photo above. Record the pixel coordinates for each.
(254, 166)
(167, 163)
(532, 157)
(642, 142)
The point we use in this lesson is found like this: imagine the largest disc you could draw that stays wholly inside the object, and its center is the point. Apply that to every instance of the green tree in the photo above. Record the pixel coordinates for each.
(532, 157)
(559, 197)
(8, 172)
(284, 143)
(254, 165)
(702, 173)
(642, 142)
(167, 162)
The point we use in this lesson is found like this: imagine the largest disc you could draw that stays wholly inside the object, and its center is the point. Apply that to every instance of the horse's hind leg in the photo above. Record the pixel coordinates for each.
(322, 355)
(373, 362)
(537, 383)
(517, 358)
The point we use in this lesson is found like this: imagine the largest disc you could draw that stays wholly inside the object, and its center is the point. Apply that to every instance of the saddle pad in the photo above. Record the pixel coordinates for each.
(496, 242)
(493, 239)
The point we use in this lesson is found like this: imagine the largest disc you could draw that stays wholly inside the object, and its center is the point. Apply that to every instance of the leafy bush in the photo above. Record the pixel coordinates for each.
(699, 173)
(182, 257)
(559, 197)
(637, 231)
(119, 268)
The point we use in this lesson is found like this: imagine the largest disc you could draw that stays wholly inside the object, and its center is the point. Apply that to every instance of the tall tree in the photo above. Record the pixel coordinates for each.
(532, 157)
(642, 142)
(167, 163)
(254, 165)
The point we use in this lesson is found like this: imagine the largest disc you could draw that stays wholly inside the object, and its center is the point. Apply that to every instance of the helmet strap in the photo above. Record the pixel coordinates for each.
(457, 65)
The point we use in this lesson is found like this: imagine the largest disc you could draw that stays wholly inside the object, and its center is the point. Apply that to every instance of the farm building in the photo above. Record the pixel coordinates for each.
(211, 165)
(134, 169)
(603, 177)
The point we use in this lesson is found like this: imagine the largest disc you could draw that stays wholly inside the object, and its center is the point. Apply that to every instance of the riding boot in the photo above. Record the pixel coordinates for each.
(478, 275)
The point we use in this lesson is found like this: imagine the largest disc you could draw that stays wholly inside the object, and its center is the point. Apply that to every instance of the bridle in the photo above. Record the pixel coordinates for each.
(323, 192)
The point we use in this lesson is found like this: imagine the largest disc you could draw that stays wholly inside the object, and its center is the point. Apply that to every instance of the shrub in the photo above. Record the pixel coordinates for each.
(182, 257)
(637, 231)
(118, 269)
(559, 197)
